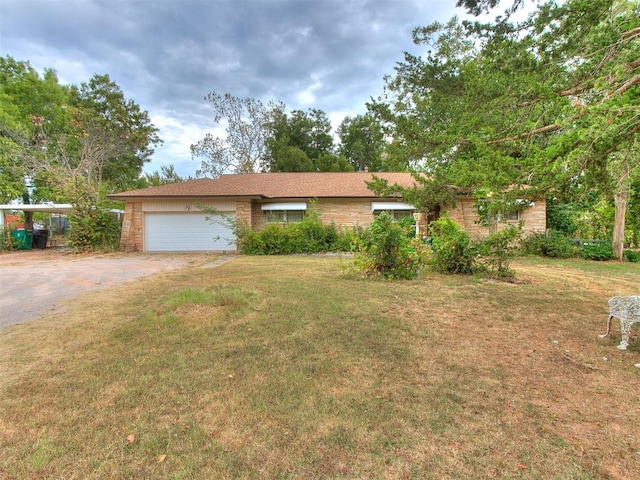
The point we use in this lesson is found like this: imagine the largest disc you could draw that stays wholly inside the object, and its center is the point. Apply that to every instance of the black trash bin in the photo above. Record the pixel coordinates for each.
(40, 238)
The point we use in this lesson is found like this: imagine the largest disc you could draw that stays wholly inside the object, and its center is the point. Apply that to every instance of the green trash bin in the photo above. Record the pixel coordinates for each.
(22, 240)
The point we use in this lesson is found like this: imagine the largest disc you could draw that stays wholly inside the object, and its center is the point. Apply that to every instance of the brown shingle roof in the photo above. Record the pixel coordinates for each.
(273, 185)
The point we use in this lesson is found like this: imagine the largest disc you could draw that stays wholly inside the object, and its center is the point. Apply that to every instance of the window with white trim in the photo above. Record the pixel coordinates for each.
(397, 210)
(284, 212)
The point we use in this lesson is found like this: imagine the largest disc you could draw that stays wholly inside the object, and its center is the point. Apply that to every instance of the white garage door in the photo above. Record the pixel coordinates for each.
(188, 232)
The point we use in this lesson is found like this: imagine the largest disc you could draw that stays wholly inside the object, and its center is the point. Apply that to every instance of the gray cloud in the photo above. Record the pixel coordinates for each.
(167, 54)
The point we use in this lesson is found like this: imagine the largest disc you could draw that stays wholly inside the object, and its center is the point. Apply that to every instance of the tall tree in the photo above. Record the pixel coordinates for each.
(13, 134)
(302, 142)
(117, 136)
(546, 102)
(249, 124)
(288, 158)
(35, 120)
(167, 174)
(633, 221)
(362, 142)
(51, 133)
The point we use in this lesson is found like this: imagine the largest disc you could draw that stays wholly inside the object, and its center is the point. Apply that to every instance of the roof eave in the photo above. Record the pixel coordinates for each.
(140, 198)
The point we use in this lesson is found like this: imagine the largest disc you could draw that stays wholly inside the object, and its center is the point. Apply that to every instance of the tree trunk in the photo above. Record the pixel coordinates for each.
(621, 199)
(28, 216)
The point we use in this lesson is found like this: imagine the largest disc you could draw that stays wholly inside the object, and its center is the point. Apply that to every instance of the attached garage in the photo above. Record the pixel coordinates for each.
(188, 232)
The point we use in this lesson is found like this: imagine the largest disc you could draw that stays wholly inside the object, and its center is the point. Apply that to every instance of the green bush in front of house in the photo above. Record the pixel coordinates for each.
(553, 244)
(599, 250)
(93, 228)
(5, 240)
(387, 248)
(453, 251)
(631, 256)
(496, 252)
(309, 235)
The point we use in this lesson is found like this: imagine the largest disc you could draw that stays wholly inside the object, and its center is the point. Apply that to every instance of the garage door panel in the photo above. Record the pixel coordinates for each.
(188, 232)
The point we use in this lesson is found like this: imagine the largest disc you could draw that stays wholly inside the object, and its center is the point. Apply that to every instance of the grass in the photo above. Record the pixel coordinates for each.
(283, 367)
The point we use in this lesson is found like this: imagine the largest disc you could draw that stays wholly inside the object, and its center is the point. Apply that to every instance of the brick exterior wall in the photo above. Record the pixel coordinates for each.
(244, 212)
(258, 219)
(466, 215)
(346, 212)
(357, 212)
(535, 218)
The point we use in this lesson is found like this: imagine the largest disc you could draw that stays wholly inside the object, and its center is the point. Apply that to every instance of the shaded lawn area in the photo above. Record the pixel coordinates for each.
(285, 367)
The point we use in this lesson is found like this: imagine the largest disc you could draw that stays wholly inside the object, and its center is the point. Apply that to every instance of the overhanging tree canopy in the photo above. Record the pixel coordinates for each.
(551, 100)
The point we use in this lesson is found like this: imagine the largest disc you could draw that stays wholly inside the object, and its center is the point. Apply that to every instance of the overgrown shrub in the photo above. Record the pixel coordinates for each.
(347, 239)
(250, 242)
(552, 244)
(387, 249)
(452, 249)
(311, 235)
(277, 240)
(497, 250)
(5, 240)
(631, 256)
(93, 228)
(599, 250)
(307, 236)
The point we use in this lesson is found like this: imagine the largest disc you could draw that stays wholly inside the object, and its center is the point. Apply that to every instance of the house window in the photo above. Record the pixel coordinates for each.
(513, 216)
(284, 212)
(283, 216)
(397, 210)
(511, 211)
(400, 214)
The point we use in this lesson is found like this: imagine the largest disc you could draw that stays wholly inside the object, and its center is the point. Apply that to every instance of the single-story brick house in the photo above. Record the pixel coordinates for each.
(171, 217)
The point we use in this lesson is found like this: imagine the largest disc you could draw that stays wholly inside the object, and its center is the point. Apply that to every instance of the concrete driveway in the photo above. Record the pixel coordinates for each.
(33, 282)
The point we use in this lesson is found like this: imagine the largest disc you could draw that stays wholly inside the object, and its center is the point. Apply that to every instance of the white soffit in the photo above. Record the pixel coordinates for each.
(285, 206)
(391, 206)
(39, 207)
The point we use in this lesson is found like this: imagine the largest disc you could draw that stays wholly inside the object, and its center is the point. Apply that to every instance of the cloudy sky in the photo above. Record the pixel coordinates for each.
(166, 55)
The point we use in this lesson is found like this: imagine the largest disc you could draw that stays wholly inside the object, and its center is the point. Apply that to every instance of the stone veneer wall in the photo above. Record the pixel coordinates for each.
(131, 236)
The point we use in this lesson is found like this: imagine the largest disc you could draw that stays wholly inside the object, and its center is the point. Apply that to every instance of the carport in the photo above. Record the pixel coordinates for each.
(50, 208)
